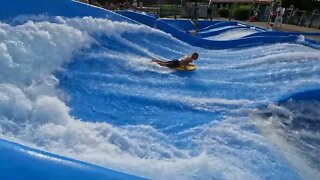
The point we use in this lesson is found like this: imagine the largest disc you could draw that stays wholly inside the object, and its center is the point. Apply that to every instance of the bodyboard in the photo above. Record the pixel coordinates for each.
(189, 67)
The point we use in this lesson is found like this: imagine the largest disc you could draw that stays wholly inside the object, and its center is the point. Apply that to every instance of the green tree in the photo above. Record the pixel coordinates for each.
(302, 4)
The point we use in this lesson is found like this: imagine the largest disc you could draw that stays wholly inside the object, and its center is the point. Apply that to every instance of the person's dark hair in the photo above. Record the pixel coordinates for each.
(195, 55)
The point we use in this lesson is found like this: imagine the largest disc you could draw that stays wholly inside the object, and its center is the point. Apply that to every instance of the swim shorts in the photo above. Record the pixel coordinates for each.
(173, 64)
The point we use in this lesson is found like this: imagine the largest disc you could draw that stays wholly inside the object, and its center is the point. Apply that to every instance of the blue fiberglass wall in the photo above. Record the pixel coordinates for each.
(14, 8)
(275, 33)
(183, 25)
(205, 25)
(238, 43)
(20, 162)
(177, 28)
(207, 28)
(139, 17)
(306, 94)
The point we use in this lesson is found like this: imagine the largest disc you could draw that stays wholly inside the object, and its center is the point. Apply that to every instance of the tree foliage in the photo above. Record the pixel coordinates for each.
(242, 13)
(302, 4)
(223, 12)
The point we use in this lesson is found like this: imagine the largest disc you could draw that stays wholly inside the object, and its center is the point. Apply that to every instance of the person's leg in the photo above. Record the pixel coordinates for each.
(161, 63)
(173, 64)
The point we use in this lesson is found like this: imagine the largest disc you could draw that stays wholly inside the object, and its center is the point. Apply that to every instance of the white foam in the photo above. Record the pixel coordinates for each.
(32, 51)
(274, 128)
(126, 150)
(218, 29)
(280, 58)
(232, 34)
(29, 54)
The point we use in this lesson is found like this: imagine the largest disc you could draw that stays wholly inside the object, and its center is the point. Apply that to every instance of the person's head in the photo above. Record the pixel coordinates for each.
(195, 56)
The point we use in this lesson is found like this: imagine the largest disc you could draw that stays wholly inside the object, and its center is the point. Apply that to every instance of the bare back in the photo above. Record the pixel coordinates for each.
(185, 61)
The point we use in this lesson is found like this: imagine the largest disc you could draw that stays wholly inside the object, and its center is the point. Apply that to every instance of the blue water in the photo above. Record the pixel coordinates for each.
(85, 88)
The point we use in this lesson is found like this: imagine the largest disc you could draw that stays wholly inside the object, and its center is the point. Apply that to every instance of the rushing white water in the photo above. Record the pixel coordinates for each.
(219, 28)
(232, 34)
(296, 122)
(85, 88)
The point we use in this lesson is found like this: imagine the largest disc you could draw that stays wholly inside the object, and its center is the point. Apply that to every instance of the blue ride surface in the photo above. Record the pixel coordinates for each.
(84, 88)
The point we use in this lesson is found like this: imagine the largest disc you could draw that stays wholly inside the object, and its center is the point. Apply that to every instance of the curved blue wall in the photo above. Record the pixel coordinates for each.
(307, 94)
(202, 25)
(275, 33)
(67, 8)
(181, 24)
(218, 25)
(177, 28)
(21, 162)
(139, 17)
(238, 43)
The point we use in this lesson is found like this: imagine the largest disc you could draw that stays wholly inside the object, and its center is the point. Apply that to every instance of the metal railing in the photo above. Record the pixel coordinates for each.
(304, 18)
(195, 10)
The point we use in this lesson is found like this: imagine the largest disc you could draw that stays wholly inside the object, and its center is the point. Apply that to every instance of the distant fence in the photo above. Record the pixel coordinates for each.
(195, 10)
(199, 10)
(303, 18)
(188, 10)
